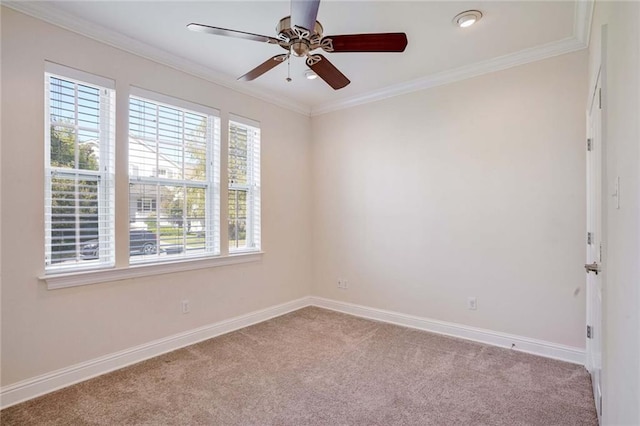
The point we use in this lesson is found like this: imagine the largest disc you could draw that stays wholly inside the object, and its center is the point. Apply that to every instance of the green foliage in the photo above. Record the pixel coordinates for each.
(238, 146)
(67, 212)
(63, 152)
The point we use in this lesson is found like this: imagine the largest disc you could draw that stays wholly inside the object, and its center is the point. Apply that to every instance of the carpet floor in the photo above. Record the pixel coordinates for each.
(318, 367)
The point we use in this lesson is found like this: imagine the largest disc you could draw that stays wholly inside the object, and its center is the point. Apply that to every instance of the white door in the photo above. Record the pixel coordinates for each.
(594, 243)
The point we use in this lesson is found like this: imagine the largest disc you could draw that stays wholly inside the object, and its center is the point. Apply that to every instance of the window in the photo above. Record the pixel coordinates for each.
(244, 185)
(173, 178)
(146, 205)
(174, 209)
(79, 170)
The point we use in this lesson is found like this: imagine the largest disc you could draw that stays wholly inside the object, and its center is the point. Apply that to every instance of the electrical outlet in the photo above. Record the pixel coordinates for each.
(472, 303)
(343, 284)
(185, 306)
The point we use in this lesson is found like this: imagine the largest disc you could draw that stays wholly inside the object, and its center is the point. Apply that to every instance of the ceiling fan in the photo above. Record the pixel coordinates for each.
(300, 34)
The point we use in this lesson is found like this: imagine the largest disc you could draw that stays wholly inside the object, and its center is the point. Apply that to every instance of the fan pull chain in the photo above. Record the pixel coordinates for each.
(289, 69)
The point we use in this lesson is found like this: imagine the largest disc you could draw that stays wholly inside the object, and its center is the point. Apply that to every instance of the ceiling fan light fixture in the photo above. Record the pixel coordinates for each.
(310, 75)
(300, 48)
(467, 18)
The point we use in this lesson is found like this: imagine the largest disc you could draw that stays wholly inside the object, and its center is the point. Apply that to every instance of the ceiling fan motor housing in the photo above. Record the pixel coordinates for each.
(297, 40)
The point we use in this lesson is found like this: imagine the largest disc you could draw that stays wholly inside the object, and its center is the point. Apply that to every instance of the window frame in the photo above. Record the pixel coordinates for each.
(253, 239)
(104, 176)
(146, 205)
(211, 183)
(121, 268)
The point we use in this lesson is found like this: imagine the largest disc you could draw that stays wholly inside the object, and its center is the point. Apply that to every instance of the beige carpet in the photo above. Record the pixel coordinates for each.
(317, 367)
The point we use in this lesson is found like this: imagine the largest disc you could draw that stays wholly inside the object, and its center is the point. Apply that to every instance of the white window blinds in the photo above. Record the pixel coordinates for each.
(244, 184)
(174, 178)
(79, 170)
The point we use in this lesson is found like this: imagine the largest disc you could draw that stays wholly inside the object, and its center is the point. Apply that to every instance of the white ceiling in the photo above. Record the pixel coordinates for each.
(510, 32)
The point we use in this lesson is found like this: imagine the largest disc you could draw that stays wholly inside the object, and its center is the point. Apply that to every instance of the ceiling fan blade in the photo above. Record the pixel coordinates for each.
(304, 13)
(264, 67)
(327, 71)
(383, 42)
(231, 33)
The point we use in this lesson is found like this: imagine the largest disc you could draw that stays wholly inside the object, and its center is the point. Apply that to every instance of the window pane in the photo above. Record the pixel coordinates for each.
(169, 160)
(171, 225)
(195, 147)
(195, 220)
(62, 147)
(142, 119)
(88, 107)
(74, 219)
(244, 187)
(88, 150)
(142, 158)
(237, 218)
(179, 223)
(61, 100)
(170, 125)
(79, 175)
(238, 156)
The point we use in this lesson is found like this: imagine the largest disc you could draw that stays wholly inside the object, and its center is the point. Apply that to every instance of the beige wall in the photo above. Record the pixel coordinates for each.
(621, 243)
(46, 330)
(419, 201)
(471, 189)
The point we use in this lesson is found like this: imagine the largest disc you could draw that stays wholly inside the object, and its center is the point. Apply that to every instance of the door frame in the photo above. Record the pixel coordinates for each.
(596, 220)
(593, 254)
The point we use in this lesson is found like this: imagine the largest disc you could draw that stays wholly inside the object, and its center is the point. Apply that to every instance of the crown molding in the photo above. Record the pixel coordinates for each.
(522, 57)
(580, 39)
(583, 15)
(52, 15)
(582, 20)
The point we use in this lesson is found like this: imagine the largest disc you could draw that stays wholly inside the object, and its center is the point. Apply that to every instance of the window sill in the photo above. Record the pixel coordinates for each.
(143, 270)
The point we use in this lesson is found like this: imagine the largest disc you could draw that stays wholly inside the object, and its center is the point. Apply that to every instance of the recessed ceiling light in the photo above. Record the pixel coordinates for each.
(310, 75)
(467, 18)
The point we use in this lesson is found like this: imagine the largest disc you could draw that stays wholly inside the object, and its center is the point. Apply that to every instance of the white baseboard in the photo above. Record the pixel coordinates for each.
(46, 383)
(40, 385)
(522, 344)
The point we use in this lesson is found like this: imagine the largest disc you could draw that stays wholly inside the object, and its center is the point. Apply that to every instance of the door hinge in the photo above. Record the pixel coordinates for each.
(589, 144)
(600, 253)
(600, 404)
(589, 237)
(589, 332)
(600, 98)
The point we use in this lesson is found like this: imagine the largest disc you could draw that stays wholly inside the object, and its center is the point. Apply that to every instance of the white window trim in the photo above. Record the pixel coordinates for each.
(171, 101)
(253, 195)
(107, 150)
(212, 183)
(79, 278)
(74, 74)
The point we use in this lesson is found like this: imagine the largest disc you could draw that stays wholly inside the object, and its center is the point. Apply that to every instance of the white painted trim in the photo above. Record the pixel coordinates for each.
(582, 21)
(73, 279)
(85, 77)
(579, 40)
(49, 382)
(504, 340)
(46, 383)
(49, 13)
(172, 101)
(522, 57)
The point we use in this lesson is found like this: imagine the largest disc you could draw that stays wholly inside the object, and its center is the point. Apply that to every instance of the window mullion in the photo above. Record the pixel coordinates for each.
(185, 210)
